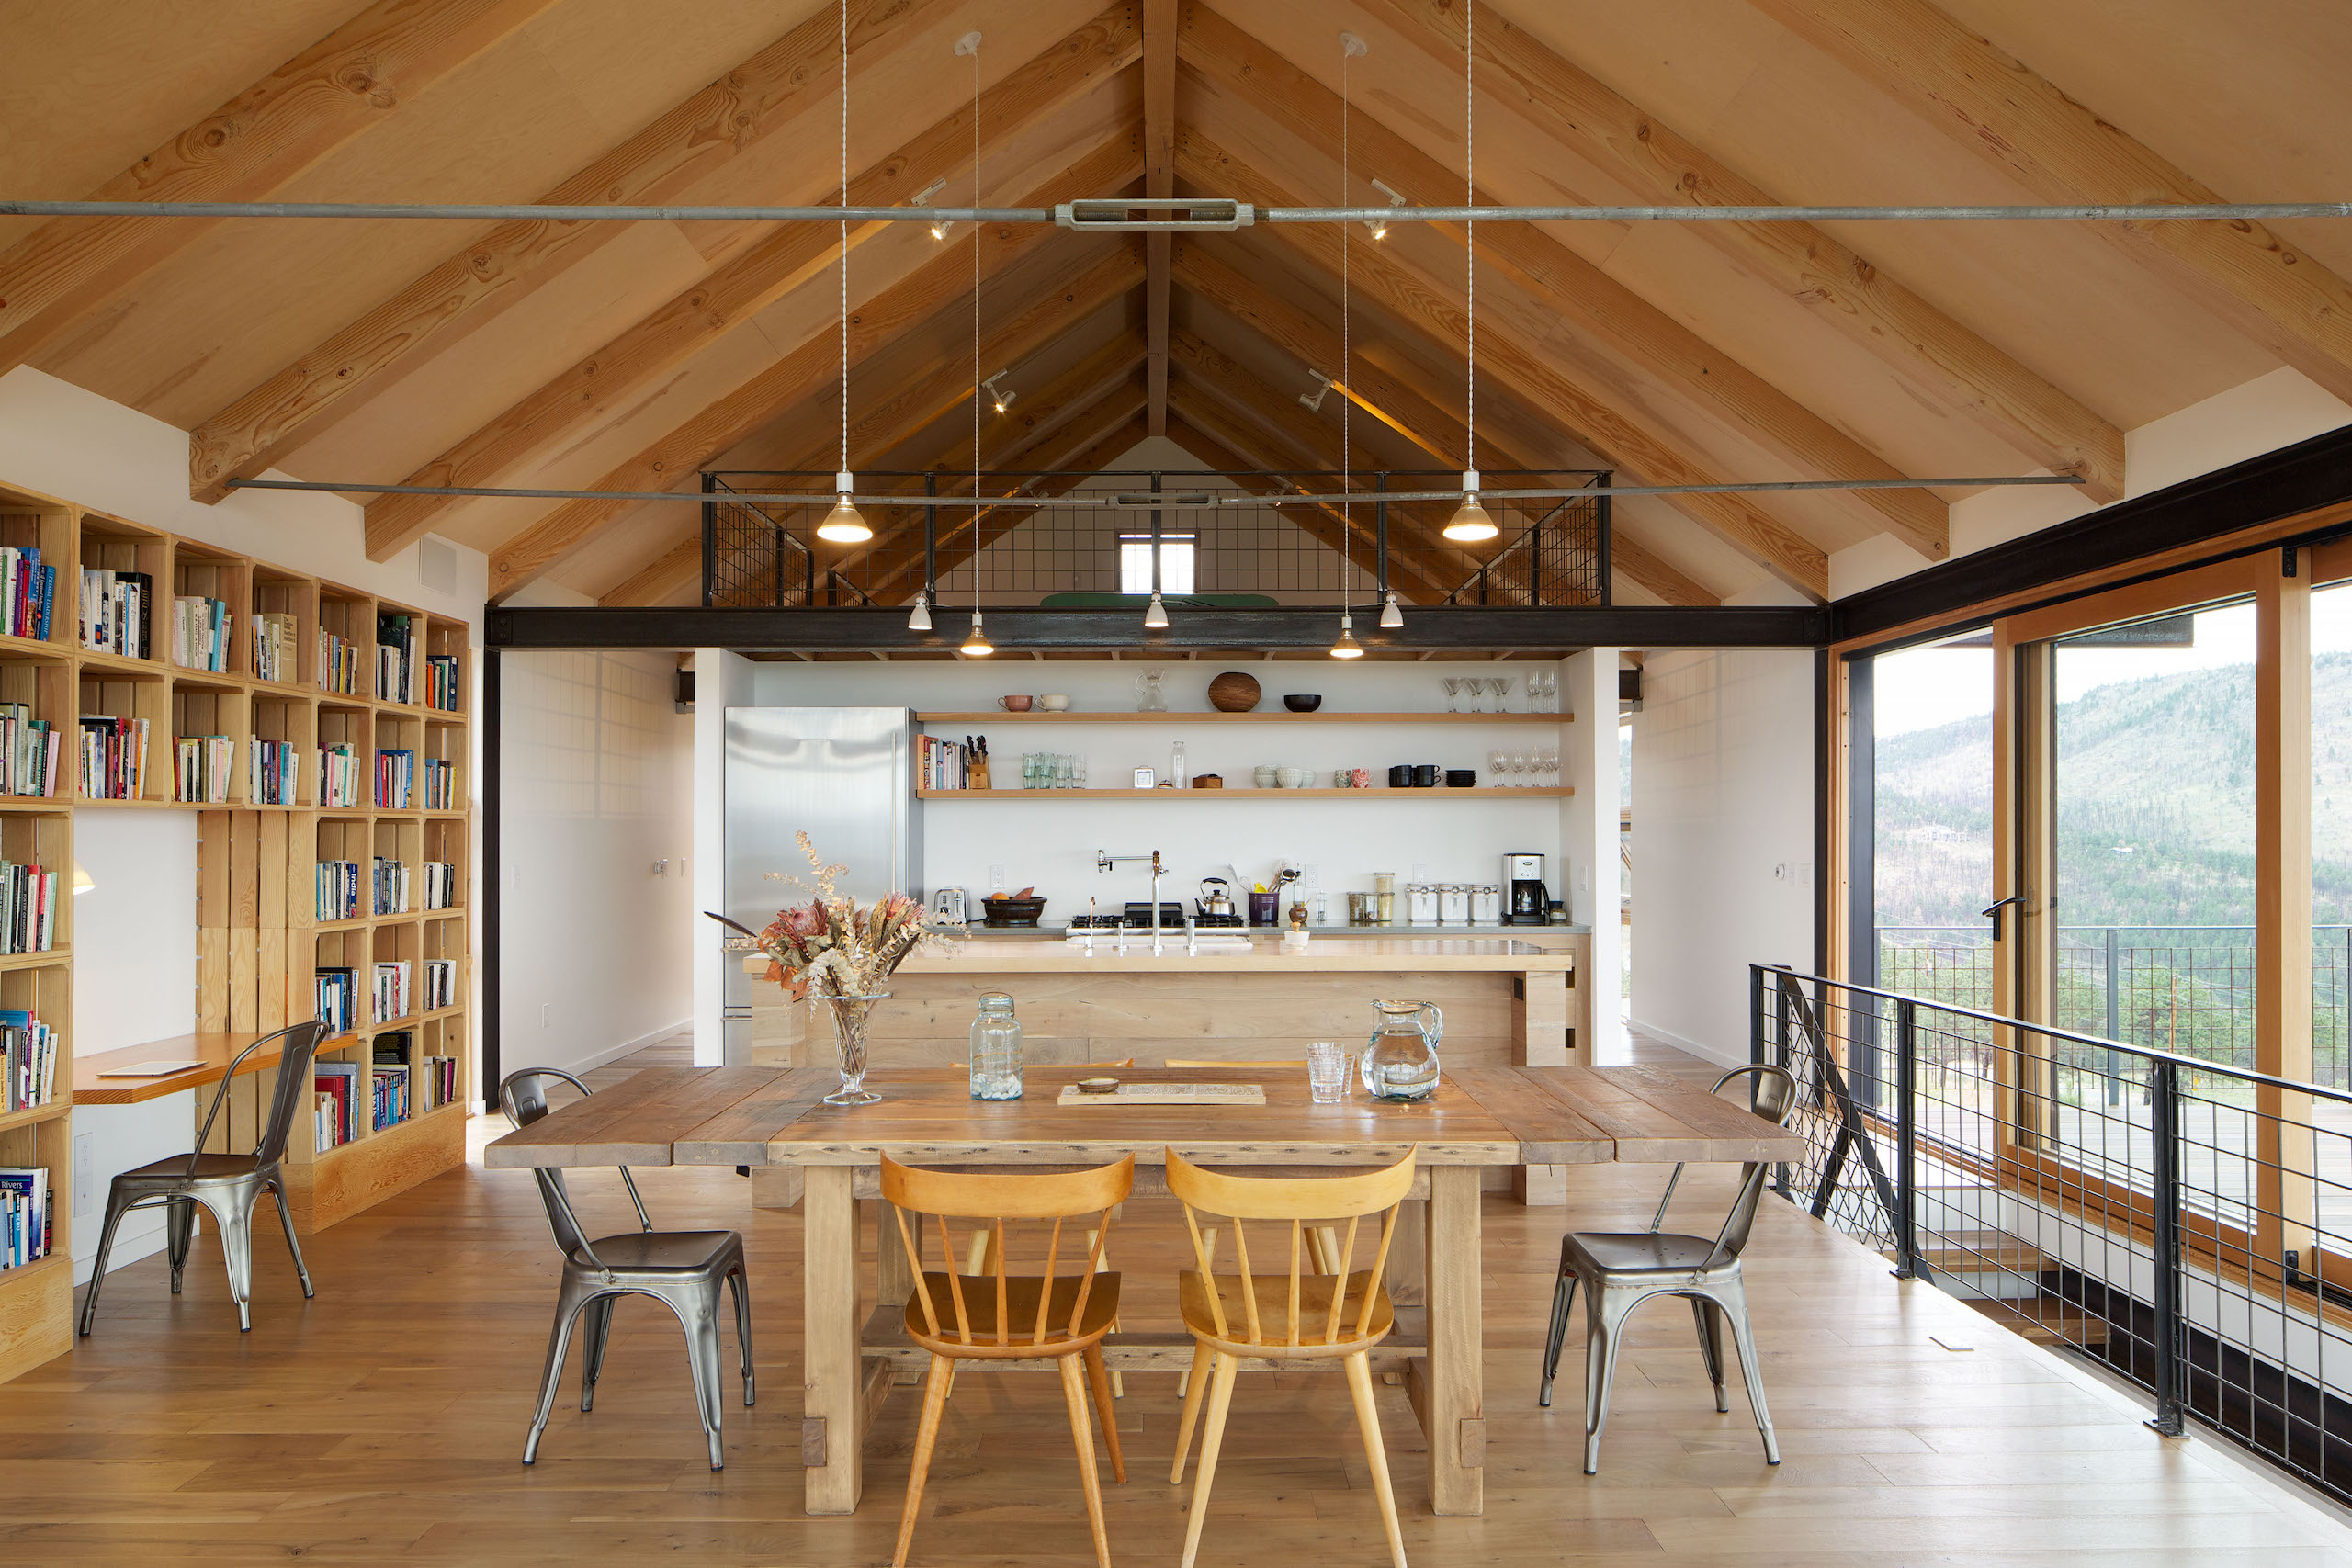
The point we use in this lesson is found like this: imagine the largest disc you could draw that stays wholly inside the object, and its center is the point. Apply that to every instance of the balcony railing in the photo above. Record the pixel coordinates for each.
(2187, 1221)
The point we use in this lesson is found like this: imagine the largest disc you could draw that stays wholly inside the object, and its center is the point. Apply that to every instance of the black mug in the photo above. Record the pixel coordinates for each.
(1400, 777)
(1425, 776)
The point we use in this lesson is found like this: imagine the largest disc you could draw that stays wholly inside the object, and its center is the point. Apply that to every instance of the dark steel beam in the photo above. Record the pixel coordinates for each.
(1018, 630)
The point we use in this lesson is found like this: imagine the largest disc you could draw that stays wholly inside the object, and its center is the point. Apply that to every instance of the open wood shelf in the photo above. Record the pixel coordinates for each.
(1478, 792)
(258, 943)
(1281, 716)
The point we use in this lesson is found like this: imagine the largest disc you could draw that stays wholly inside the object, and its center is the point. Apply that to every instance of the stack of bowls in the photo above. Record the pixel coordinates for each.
(1292, 778)
(1264, 777)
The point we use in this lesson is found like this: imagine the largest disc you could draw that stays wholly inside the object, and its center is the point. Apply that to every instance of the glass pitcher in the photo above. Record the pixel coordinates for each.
(996, 1049)
(1399, 1062)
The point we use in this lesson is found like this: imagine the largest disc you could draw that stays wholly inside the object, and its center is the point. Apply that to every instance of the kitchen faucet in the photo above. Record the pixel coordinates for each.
(1104, 860)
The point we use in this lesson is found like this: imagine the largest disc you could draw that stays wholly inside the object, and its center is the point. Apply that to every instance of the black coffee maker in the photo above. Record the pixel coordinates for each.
(1526, 901)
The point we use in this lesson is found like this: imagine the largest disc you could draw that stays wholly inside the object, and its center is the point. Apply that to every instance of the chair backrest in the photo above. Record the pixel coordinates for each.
(300, 1044)
(992, 1201)
(524, 1097)
(1773, 1095)
(1298, 1199)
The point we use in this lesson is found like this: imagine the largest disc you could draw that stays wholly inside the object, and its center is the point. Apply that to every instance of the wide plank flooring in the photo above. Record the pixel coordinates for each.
(384, 1422)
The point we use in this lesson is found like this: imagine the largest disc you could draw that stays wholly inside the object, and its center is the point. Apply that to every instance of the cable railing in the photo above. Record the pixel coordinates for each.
(2184, 1221)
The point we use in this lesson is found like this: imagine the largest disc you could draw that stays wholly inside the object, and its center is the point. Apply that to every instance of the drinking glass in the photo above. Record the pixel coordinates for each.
(1063, 763)
(1028, 770)
(1477, 686)
(1077, 772)
(1497, 762)
(1452, 694)
(1326, 1072)
(1502, 695)
(1520, 763)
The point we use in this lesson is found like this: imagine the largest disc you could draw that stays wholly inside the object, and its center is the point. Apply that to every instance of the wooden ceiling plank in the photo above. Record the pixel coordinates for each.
(649, 584)
(1419, 416)
(763, 94)
(792, 380)
(1564, 281)
(587, 391)
(354, 78)
(1158, 183)
(1995, 104)
(1928, 348)
(1624, 439)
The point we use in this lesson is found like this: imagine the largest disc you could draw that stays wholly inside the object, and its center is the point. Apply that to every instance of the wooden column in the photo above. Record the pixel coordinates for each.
(2285, 1197)
(829, 1449)
(1540, 1025)
(1455, 1407)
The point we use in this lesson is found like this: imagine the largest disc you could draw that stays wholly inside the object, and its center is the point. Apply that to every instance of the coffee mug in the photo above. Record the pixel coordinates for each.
(1013, 704)
(1425, 775)
(1400, 776)
(1054, 701)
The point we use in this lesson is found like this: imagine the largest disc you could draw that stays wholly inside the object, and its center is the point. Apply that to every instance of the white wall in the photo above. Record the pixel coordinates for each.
(722, 680)
(1723, 798)
(597, 789)
(1589, 840)
(1345, 841)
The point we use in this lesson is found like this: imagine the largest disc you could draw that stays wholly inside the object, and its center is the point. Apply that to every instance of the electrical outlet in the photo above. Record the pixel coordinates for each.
(1312, 873)
(86, 1173)
(546, 1014)
(996, 879)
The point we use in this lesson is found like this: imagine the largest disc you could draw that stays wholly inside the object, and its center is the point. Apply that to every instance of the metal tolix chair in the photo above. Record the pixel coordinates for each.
(1621, 1269)
(685, 1270)
(227, 1185)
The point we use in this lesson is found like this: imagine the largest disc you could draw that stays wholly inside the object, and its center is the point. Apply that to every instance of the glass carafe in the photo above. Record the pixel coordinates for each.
(996, 1049)
(1400, 1061)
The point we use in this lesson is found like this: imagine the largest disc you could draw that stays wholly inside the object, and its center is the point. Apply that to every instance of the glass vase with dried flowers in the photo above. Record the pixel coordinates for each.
(839, 954)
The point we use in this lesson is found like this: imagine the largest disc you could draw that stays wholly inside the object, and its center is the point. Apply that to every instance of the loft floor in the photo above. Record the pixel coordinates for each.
(382, 1422)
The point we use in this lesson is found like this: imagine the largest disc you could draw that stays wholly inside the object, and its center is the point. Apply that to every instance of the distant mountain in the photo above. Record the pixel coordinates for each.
(2155, 806)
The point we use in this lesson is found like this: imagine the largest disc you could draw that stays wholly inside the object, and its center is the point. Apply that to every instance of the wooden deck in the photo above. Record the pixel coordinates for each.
(361, 1428)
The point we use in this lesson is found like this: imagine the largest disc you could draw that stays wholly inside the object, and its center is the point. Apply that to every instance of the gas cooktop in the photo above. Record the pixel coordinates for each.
(1138, 918)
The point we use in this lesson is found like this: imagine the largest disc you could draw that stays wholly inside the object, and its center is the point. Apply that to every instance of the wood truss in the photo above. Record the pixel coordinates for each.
(730, 357)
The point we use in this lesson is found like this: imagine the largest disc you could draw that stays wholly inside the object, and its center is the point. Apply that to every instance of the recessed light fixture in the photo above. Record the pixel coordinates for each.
(1379, 226)
(998, 396)
(977, 645)
(843, 524)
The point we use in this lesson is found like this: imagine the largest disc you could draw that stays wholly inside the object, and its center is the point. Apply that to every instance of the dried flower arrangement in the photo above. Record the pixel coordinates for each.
(833, 947)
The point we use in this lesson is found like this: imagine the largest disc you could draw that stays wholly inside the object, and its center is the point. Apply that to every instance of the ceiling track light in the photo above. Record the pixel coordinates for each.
(1470, 524)
(1322, 390)
(1155, 614)
(998, 396)
(844, 524)
(939, 226)
(1391, 619)
(976, 645)
(1379, 226)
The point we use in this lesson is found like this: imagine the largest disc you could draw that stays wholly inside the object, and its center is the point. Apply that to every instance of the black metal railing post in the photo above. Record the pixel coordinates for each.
(1380, 530)
(1908, 1263)
(1756, 1018)
(1600, 532)
(1781, 1173)
(2114, 993)
(931, 538)
(709, 536)
(2163, 1127)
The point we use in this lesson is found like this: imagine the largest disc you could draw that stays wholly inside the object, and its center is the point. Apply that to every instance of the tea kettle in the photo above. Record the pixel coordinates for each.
(1217, 896)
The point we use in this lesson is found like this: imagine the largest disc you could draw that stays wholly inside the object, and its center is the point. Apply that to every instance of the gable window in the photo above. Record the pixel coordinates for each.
(1176, 554)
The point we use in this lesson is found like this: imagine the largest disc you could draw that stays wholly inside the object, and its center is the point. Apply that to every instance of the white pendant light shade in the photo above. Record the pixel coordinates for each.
(1391, 617)
(843, 524)
(1470, 524)
(977, 645)
(1155, 617)
(1347, 646)
(920, 620)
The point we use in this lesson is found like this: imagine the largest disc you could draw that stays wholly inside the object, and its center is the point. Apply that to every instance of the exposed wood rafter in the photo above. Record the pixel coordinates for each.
(352, 79)
(1564, 281)
(1930, 349)
(1998, 107)
(1623, 439)
(766, 93)
(737, 290)
(1158, 183)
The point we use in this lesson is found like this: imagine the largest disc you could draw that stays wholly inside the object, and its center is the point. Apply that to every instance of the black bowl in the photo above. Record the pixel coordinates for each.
(1302, 701)
(1011, 912)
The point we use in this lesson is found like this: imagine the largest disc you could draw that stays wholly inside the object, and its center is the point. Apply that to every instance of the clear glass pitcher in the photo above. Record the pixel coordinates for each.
(996, 1049)
(1401, 1060)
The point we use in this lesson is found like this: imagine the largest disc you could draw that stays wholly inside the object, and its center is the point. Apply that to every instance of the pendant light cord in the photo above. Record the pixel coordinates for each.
(976, 335)
(1347, 372)
(1470, 227)
(845, 236)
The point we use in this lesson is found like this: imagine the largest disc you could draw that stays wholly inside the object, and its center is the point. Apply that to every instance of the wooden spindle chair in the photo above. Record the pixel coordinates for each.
(1000, 1316)
(1302, 1312)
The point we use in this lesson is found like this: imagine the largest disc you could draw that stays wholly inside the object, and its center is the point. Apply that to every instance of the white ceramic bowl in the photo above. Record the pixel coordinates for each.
(1265, 777)
(1291, 778)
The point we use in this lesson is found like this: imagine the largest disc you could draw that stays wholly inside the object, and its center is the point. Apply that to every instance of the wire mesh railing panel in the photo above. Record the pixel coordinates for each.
(1549, 553)
(2185, 1222)
(750, 559)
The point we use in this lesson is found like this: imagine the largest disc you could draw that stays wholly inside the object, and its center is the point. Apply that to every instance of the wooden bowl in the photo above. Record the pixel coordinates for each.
(1234, 691)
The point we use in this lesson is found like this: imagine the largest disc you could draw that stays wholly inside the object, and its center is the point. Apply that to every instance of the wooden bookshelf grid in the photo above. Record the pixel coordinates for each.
(260, 939)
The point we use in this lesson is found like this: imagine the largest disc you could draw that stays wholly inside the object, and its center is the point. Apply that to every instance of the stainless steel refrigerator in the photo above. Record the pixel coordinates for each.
(844, 776)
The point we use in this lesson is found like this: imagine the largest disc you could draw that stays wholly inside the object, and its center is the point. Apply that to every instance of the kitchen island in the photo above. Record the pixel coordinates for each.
(1243, 997)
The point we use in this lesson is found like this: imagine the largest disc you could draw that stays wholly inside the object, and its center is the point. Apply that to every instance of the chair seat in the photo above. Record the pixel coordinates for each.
(1019, 1314)
(1642, 1253)
(659, 1252)
(172, 1170)
(1273, 1313)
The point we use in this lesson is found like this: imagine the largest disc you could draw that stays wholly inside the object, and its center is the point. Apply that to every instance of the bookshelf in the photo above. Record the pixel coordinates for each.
(261, 942)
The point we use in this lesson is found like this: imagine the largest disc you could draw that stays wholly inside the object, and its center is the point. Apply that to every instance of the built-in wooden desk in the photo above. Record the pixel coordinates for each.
(215, 1051)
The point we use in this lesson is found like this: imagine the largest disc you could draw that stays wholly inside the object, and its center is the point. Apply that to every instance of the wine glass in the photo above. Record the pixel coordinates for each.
(1452, 694)
(1502, 685)
(1497, 762)
(1521, 763)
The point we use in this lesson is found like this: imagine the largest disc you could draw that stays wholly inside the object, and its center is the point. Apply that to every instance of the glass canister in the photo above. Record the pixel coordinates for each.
(1485, 905)
(996, 1049)
(1420, 898)
(1384, 894)
(1453, 905)
(1399, 1062)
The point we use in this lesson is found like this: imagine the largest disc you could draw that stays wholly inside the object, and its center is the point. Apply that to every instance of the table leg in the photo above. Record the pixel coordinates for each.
(894, 1278)
(1542, 1020)
(829, 1434)
(1456, 1401)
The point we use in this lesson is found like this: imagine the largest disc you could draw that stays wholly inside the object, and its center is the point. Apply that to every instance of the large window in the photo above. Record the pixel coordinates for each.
(1176, 553)
(1931, 821)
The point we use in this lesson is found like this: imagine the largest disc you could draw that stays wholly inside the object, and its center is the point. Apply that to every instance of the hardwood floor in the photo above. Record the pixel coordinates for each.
(383, 1423)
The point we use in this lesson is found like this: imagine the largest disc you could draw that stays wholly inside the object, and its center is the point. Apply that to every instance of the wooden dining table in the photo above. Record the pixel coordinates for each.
(1479, 1118)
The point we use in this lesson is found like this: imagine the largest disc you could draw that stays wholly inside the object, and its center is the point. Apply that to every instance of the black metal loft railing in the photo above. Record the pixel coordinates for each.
(2188, 1222)
(1168, 535)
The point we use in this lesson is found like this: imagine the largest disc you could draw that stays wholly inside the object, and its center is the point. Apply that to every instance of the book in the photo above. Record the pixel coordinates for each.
(274, 634)
(396, 657)
(27, 589)
(338, 890)
(440, 784)
(338, 665)
(395, 776)
(339, 770)
(25, 1222)
(440, 984)
(28, 1062)
(440, 885)
(201, 765)
(270, 772)
(114, 757)
(28, 911)
(338, 1001)
(336, 1084)
(114, 611)
(391, 886)
(27, 752)
(441, 681)
(200, 632)
(390, 995)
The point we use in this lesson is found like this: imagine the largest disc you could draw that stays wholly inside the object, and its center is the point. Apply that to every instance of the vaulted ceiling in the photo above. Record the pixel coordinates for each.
(633, 355)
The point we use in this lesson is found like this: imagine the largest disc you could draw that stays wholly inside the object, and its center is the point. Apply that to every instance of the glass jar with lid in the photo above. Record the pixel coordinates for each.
(1485, 905)
(1453, 905)
(996, 1049)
